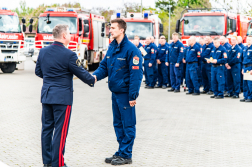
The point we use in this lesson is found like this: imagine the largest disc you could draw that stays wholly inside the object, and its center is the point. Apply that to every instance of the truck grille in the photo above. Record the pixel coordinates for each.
(9, 44)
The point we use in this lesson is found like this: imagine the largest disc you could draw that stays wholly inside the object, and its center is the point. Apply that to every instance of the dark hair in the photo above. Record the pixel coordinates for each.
(121, 24)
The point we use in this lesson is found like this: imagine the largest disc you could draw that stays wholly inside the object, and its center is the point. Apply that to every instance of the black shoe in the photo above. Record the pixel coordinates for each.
(204, 92)
(158, 86)
(219, 97)
(176, 91)
(210, 93)
(149, 87)
(47, 165)
(108, 160)
(235, 97)
(228, 95)
(121, 161)
(248, 100)
(212, 96)
(196, 94)
(168, 86)
(143, 80)
(243, 100)
(171, 90)
(164, 87)
(189, 93)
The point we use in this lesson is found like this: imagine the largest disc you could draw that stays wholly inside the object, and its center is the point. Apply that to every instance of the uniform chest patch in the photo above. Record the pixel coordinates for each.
(136, 60)
(152, 51)
(238, 55)
(78, 63)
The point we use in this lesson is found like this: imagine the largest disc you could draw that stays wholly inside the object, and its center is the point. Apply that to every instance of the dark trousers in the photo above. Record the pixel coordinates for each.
(206, 76)
(149, 73)
(175, 76)
(234, 79)
(55, 123)
(218, 80)
(247, 86)
(124, 121)
(192, 81)
(162, 74)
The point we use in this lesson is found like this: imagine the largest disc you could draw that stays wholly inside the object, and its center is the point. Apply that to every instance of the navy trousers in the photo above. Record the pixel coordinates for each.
(149, 73)
(192, 81)
(55, 123)
(247, 86)
(234, 79)
(162, 74)
(206, 76)
(124, 121)
(175, 76)
(218, 80)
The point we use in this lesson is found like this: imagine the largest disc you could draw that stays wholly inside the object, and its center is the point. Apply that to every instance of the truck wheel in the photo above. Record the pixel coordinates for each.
(9, 68)
(93, 67)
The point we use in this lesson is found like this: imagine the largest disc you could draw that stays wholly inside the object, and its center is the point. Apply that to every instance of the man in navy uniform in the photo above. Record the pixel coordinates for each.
(239, 38)
(57, 65)
(233, 66)
(149, 64)
(219, 54)
(156, 67)
(137, 40)
(175, 62)
(192, 63)
(247, 67)
(162, 54)
(206, 68)
(123, 66)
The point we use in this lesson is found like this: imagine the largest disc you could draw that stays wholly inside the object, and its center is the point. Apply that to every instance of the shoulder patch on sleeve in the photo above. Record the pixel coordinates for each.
(225, 55)
(181, 49)
(136, 60)
(238, 55)
(152, 51)
(78, 63)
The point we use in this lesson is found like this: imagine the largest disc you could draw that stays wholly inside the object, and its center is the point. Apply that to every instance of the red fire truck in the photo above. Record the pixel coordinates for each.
(11, 41)
(142, 25)
(87, 33)
(213, 22)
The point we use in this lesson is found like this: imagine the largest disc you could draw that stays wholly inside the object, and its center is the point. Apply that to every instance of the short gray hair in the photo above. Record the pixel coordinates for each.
(58, 30)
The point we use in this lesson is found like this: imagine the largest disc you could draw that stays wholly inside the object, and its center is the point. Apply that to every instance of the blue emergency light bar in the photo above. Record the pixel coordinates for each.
(4, 8)
(70, 10)
(146, 15)
(194, 10)
(118, 15)
(50, 10)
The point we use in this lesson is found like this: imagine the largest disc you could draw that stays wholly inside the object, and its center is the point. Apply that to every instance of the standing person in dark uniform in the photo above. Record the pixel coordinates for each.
(192, 63)
(218, 68)
(136, 38)
(57, 65)
(123, 66)
(247, 67)
(169, 80)
(175, 62)
(239, 38)
(149, 64)
(162, 54)
(156, 66)
(233, 66)
(206, 68)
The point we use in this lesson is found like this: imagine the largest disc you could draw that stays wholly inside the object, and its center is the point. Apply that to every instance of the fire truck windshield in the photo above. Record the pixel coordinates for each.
(9, 24)
(140, 29)
(249, 29)
(203, 25)
(43, 27)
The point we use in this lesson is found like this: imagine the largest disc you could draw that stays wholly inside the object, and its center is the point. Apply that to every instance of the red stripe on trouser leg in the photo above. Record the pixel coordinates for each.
(63, 134)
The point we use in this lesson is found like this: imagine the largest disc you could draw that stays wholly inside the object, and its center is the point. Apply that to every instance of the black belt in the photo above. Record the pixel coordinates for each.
(192, 62)
(247, 65)
(204, 62)
(217, 65)
(146, 59)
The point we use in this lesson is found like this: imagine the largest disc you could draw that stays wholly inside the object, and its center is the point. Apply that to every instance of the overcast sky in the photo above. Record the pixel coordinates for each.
(88, 4)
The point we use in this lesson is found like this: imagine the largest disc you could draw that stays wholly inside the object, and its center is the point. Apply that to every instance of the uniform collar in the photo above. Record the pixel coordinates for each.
(58, 43)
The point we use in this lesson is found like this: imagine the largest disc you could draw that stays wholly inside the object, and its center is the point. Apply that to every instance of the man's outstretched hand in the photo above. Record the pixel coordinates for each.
(132, 103)
(95, 78)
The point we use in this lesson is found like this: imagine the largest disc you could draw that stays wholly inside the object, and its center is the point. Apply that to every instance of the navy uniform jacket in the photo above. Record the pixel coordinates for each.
(220, 54)
(234, 56)
(139, 45)
(57, 65)
(247, 55)
(151, 54)
(177, 52)
(206, 51)
(242, 47)
(155, 46)
(162, 53)
(123, 66)
(193, 54)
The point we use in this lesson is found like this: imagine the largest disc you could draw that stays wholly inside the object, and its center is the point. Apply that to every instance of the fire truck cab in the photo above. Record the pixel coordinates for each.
(141, 24)
(86, 31)
(11, 41)
(212, 22)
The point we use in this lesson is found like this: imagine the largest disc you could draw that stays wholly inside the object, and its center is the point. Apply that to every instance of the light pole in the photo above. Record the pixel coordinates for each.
(141, 7)
(169, 6)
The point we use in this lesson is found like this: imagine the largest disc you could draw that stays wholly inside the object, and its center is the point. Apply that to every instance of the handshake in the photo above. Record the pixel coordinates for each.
(95, 78)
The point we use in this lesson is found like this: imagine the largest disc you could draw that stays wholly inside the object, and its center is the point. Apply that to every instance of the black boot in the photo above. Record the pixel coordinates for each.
(108, 160)
(121, 161)
(47, 165)
(171, 90)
